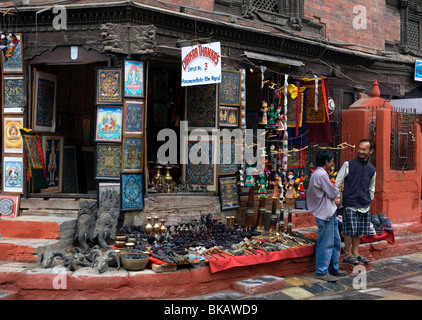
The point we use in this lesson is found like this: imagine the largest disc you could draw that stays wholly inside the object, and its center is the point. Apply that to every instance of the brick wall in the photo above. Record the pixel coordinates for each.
(381, 23)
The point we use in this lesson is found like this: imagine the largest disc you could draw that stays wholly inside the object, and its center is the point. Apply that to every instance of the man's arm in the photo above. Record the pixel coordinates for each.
(372, 186)
(341, 175)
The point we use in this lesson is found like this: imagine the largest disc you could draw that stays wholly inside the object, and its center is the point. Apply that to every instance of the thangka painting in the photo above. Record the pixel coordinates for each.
(313, 116)
(109, 124)
(9, 206)
(132, 191)
(12, 94)
(133, 117)
(12, 138)
(108, 161)
(229, 116)
(228, 157)
(132, 154)
(53, 157)
(201, 106)
(134, 84)
(70, 173)
(230, 88)
(13, 174)
(109, 86)
(229, 193)
(45, 102)
(104, 186)
(201, 164)
(14, 63)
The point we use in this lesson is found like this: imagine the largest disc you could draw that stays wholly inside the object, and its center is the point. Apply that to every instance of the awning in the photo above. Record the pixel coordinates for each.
(415, 103)
(265, 57)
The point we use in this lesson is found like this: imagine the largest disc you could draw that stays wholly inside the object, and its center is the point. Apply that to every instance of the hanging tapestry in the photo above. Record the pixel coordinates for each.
(296, 119)
(9, 206)
(13, 174)
(230, 88)
(133, 117)
(317, 124)
(12, 142)
(12, 94)
(53, 155)
(200, 167)
(132, 191)
(134, 85)
(229, 116)
(35, 160)
(132, 155)
(109, 161)
(229, 153)
(14, 63)
(109, 86)
(45, 106)
(201, 106)
(297, 159)
(109, 124)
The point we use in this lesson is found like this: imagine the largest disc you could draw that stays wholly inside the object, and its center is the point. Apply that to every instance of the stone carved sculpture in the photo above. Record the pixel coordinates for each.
(107, 218)
(101, 260)
(85, 225)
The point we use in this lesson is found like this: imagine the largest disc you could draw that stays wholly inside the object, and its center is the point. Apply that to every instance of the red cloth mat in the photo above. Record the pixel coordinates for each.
(221, 264)
(387, 236)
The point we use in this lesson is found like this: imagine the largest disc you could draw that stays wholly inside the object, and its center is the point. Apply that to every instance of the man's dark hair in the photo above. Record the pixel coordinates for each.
(322, 156)
(370, 142)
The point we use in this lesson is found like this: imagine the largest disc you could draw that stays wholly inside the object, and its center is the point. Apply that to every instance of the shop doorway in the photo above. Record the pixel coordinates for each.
(68, 147)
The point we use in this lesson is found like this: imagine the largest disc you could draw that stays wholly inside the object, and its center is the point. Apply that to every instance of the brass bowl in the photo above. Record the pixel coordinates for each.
(120, 237)
(130, 244)
(134, 262)
(119, 244)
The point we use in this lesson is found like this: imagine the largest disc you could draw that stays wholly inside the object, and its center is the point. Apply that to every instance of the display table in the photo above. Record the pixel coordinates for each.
(221, 264)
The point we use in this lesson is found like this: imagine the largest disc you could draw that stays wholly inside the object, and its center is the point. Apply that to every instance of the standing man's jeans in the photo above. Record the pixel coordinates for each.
(327, 250)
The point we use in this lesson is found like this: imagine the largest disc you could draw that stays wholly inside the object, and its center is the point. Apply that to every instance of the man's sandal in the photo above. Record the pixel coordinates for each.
(351, 260)
(362, 259)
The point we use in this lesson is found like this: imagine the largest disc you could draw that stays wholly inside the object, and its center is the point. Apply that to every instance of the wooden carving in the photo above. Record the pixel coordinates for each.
(128, 39)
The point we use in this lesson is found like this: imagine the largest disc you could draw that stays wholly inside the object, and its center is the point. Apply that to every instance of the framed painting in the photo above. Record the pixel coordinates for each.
(70, 170)
(14, 64)
(53, 157)
(9, 206)
(229, 156)
(132, 191)
(201, 106)
(13, 174)
(228, 192)
(108, 161)
(109, 85)
(104, 186)
(230, 88)
(200, 157)
(12, 94)
(132, 154)
(229, 117)
(109, 124)
(133, 117)
(12, 138)
(134, 82)
(44, 114)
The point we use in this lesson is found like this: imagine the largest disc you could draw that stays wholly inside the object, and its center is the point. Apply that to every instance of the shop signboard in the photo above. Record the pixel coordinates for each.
(201, 64)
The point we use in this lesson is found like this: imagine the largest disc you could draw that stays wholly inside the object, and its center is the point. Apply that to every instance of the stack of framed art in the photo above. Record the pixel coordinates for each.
(119, 132)
(12, 121)
(211, 107)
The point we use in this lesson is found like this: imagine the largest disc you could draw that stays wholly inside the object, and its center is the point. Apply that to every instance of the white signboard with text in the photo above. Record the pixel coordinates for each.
(201, 64)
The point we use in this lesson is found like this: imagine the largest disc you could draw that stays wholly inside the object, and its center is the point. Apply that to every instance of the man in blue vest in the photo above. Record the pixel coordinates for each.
(358, 177)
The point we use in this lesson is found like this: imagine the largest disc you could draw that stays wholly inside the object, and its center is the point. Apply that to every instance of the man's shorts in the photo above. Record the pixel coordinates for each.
(355, 222)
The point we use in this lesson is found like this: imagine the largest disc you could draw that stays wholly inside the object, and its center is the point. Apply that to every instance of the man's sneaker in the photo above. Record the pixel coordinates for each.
(327, 277)
(339, 273)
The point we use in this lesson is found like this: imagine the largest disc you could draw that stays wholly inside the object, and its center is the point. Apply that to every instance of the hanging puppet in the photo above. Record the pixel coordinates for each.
(300, 188)
(8, 45)
(290, 186)
(262, 184)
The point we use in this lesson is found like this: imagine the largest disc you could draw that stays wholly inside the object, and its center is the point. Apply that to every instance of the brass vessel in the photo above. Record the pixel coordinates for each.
(163, 228)
(156, 226)
(148, 227)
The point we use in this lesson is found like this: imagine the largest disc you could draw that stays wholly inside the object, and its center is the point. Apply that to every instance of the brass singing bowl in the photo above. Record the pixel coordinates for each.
(132, 263)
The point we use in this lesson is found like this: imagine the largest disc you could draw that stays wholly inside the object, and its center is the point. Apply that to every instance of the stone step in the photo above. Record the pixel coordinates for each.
(8, 295)
(27, 250)
(262, 284)
(38, 227)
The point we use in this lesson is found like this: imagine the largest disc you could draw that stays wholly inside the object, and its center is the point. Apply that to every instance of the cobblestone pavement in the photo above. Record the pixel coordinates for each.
(396, 278)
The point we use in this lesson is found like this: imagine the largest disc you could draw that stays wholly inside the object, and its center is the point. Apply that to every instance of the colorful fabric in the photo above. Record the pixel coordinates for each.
(35, 160)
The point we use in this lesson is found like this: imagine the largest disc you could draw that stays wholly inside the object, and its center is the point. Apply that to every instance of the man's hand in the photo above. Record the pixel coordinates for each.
(337, 201)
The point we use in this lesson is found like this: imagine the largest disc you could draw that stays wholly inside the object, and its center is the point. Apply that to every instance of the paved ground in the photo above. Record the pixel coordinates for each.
(397, 278)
